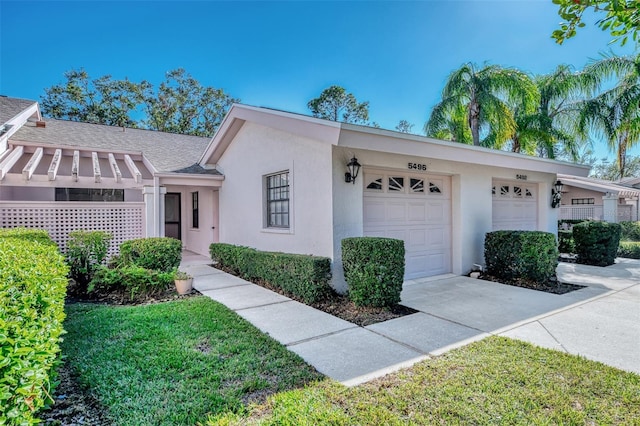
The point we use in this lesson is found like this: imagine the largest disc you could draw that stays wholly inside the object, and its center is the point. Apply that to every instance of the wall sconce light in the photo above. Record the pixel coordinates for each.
(556, 194)
(354, 168)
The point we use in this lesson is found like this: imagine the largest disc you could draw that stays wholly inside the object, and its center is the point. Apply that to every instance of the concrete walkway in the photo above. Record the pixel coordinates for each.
(600, 322)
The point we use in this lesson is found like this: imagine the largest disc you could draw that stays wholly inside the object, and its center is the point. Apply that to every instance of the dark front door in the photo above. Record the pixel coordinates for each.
(172, 215)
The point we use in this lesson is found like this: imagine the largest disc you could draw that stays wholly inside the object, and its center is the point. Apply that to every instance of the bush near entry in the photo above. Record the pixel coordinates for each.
(521, 254)
(304, 276)
(33, 283)
(157, 253)
(596, 242)
(374, 270)
(86, 250)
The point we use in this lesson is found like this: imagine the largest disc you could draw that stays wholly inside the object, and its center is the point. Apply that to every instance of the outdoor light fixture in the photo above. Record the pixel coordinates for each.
(354, 168)
(556, 194)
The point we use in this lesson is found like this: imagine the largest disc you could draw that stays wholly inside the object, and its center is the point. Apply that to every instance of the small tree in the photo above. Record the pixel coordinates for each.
(334, 103)
(404, 126)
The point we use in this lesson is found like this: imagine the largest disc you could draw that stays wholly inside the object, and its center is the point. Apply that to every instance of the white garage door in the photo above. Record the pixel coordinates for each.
(515, 206)
(413, 208)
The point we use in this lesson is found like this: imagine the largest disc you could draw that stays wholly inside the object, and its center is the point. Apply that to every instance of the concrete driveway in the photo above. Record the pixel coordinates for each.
(600, 322)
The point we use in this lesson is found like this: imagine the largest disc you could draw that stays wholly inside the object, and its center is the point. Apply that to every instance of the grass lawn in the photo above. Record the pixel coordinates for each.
(173, 363)
(495, 381)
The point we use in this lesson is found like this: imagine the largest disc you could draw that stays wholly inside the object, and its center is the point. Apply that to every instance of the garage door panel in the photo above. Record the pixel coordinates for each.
(417, 211)
(374, 211)
(421, 219)
(515, 206)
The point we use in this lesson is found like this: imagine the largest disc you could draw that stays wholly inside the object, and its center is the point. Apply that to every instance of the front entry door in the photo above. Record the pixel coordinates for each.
(172, 225)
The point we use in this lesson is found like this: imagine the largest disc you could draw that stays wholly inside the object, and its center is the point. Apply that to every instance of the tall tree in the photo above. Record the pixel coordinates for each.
(99, 101)
(485, 95)
(183, 105)
(180, 104)
(621, 18)
(454, 126)
(334, 103)
(551, 128)
(614, 114)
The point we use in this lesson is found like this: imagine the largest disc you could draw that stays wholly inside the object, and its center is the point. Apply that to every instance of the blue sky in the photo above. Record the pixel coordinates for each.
(396, 55)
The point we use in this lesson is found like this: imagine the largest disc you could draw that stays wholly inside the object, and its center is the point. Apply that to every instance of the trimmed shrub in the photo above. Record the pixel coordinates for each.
(86, 250)
(374, 270)
(304, 276)
(33, 283)
(130, 280)
(158, 253)
(531, 255)
(629, 249)
(596, 242)
(28, 234)
(230, 257)
(570, 222)
(565, 242)
(630, 231)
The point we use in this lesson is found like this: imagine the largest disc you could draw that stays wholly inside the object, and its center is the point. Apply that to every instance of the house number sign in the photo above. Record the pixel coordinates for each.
(521, 177)
(416, 166)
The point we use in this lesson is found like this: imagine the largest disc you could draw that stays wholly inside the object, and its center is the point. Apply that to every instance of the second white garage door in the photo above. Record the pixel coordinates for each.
(515, 206)
(415, 209)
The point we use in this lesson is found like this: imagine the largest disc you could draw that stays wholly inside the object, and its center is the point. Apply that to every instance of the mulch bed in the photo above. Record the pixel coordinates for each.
(340, 306)
(552, 286)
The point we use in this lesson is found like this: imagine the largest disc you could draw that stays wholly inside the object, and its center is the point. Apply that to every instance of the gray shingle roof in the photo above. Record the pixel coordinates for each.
(168, 152)
(10, 107)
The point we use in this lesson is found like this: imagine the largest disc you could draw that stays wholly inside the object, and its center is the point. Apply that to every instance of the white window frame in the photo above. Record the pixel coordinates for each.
(267, 227)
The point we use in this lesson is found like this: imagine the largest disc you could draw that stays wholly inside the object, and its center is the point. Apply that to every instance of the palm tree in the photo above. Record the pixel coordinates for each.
(552, 127)
(454, 126)
(484, 95)
(615, 113)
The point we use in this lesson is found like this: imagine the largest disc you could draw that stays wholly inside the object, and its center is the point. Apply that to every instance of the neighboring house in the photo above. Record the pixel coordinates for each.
(275, 181)
(590, 198)
(65, 175)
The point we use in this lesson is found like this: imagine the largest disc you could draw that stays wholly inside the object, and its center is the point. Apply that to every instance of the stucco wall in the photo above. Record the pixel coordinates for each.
(258, 151)
(570, 192)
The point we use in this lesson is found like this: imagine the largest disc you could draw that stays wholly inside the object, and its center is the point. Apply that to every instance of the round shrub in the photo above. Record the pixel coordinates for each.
(596, 242)
(33, 283)
(157, 253)
(374, 270)
(531, 255)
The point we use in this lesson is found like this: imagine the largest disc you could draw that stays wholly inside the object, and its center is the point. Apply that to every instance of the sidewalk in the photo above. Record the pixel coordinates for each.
(599, 322)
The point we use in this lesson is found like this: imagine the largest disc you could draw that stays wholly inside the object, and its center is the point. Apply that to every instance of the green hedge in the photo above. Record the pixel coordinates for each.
(28, 234)
(131, 280)
(596, 242)
(565, 242)
(158, 253)
(374, 270)
(629, 249)
(33, 282)
(630, 231)
(570, 221)
(521, 254)
(304, 276)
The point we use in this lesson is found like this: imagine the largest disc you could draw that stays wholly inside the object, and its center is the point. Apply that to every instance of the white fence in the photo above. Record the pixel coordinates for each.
(124, 221)
(581, 212)
(626, 212)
